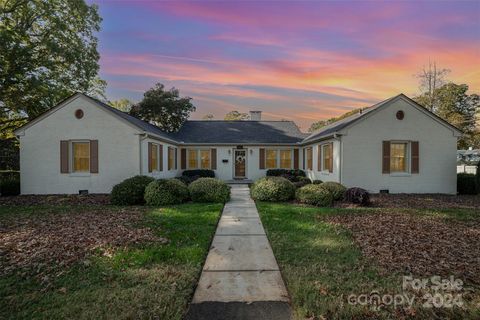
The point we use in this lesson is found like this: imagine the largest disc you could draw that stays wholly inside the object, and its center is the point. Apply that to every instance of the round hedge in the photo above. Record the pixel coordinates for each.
(273, 189)
(130, 191)
(337, 190)
(314, 194)
(209, 190)
(165, 192)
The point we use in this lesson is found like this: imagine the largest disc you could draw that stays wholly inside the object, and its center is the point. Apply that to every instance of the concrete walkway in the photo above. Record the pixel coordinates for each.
(240, 278)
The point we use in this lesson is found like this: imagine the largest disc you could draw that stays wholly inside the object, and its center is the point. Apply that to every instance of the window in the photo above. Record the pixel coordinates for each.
(154, 157)
(398, 157)
(172, 158)
(192, 159)
(271, 159)
(285, 159)
(81, 156)
(205, 159)
(309, 157)
(327, 154)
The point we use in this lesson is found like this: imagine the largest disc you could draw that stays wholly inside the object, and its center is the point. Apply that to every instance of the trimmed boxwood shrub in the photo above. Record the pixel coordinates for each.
(187, 179)
(202, 173)
(302, 181)
(272, 189)
(314, 194)
(358, 196)
(130, 191)
(466, 183)
(165, 192)
(10, 186)
(209, 190)
(337, 189)
(282, 172)
(317, 181)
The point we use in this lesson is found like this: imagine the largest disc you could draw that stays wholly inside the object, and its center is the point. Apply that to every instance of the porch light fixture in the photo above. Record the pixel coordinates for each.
(251, 151)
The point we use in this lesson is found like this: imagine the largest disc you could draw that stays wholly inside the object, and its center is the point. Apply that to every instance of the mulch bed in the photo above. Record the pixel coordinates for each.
(46, 242)
(425, 246)
(30, 200)
(420, 201)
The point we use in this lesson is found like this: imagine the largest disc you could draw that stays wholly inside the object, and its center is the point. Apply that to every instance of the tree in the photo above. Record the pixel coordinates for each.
(431, 79)
(48, 51)
(164, 108)
(208, 117)
(322, 123)
(235, 115)
(454, 105)
(123, 104)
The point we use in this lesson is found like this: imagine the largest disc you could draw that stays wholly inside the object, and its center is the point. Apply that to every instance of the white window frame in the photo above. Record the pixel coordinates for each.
(408, 156)
(71, 158)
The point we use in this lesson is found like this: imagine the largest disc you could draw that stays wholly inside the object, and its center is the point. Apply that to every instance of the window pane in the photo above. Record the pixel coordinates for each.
(154, 157)
(271, 159)
(81, 157)
(327, 156)
(309, 158)
(192, 159)
(286, 159)
(398, 157)
(205, 159)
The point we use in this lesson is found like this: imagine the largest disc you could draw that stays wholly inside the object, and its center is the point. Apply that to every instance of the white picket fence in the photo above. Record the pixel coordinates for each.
(467, 169)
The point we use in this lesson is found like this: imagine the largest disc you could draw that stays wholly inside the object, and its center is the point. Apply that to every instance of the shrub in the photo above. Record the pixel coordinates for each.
(357, 196)
(163, 192)
(314, 194)
(337, 189)
(281, 172)
(202, 173)
(130, 191)
(466, 183)
(273, 189)
(10, 186)
(317, 181)
(301, 181)
(209, 190)
(187, 179)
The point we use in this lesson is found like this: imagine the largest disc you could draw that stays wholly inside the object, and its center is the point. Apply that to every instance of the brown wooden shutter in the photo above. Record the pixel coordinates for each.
(64, 157)
(319, 158)
(303, 158)
(160, 157)
(295, 158)
(213, 160)
(331, 157)
(176, 158)
(262, 158)
(183, 159)
(93, 156)
(415, 157)
(386, 157)
(150, 164)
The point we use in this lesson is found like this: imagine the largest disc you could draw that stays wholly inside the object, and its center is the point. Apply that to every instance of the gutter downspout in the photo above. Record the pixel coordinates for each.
(141, 137)
(339, 139)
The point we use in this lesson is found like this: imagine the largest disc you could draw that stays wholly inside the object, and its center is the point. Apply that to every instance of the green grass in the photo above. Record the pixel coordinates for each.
(142, 281)
(322, 267)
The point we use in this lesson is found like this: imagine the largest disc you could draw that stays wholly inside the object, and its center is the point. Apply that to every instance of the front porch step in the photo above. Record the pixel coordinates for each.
(239, 181)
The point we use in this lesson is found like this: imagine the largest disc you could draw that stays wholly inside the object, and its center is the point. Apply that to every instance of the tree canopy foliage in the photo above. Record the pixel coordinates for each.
(164, 108)
(48, 50)
(122, 104)
(235, 115)
(322, 123)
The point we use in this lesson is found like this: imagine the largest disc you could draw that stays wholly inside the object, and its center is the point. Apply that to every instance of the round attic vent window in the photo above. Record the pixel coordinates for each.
(400, 115)
(79, 114)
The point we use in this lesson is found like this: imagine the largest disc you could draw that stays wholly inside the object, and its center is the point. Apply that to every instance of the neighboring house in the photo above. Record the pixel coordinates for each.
(470, 156)
(83, 144)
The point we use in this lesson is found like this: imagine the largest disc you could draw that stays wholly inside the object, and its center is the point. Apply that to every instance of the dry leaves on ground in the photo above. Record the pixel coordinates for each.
(425, 201)
(45, 242)
(425, 246)
(60, 199)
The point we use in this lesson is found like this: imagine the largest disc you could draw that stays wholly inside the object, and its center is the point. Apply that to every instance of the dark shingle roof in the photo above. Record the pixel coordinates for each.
(239, 132)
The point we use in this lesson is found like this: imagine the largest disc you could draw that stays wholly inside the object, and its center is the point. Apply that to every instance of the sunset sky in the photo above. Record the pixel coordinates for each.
(304, 61)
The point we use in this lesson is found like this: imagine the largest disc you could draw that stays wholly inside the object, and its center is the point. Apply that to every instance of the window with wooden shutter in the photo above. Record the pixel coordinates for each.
(64, 158)
(183, 159)
(386, 157)
(171, 158)
(271, 158)
(262, 158)
(93, 156)
(327, 157)
(286, 159)
(309, 158)
(213, 158)
(81, 156)
(415, 157)
(319, 158)
(295, 158)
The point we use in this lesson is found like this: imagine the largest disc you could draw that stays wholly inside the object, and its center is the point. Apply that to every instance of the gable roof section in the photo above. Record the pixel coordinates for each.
(337, 126)
(239, 132)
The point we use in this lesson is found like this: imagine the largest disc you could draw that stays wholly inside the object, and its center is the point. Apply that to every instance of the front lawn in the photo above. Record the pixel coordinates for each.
(328, 254)
(102, 262)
